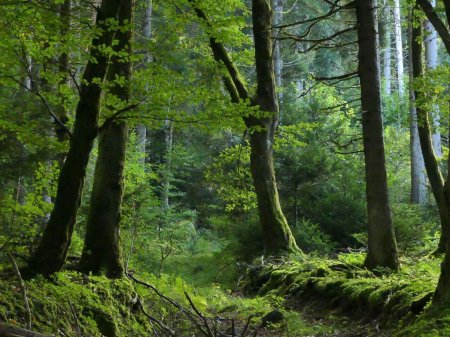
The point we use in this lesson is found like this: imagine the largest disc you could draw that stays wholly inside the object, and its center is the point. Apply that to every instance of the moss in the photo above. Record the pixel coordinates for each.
(97, 305)
(396, 300)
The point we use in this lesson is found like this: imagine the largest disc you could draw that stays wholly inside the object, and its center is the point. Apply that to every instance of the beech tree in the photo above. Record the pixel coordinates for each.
(382, 244)
(51, 253)
(276, 232)
(102, 251)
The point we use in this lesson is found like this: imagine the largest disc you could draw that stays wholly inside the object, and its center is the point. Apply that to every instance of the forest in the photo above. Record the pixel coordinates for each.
(233, 168)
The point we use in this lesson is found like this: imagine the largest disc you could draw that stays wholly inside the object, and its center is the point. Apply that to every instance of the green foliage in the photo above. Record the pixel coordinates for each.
(230, 176)
(414, 232)
(310, 238)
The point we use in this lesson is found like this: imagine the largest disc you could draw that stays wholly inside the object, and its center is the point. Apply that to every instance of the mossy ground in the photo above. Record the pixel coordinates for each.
(72, 304)
(318, 297)
(398, 303)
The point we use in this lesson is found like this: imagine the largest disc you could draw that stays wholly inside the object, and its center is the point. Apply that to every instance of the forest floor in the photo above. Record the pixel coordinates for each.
(317, 297)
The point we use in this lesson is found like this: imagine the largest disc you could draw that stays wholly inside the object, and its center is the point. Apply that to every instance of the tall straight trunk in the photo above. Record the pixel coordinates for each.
(418, 173)
(141, 129)
(276, 233)
(101, 251)
(382, 245)
(431, 58)
(52, 250)
(278, 60)
(399, 46)
(432, 167)
(385, 45)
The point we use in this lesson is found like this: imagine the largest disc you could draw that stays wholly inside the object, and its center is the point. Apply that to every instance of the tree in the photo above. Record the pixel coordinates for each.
(418, 173)
(431, 58)
(51, 253)
(276, 233)
(385, 45)
(442, 294)
(399, 47)
(382, 245)
(102, 251)
(425, 134)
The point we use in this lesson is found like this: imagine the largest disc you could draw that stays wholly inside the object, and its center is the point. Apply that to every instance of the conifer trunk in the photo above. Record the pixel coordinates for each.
(399, 47)
(382, 245)
(52, 250)
(385, 45)
(102, 252)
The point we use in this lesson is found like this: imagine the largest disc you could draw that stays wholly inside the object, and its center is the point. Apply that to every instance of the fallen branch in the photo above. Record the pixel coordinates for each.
(23, 290)
(13, 331)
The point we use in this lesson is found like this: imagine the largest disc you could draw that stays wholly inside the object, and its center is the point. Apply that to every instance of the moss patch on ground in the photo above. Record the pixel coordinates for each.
(397, 301)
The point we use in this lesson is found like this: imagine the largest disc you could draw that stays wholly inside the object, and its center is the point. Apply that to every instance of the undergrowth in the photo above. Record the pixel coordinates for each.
(398, 301)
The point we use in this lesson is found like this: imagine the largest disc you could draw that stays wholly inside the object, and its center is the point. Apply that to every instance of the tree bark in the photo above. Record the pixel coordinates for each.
(141, 129)
(431, 164)
(52, 250)
(278, 60)
(382, 245)
(102, 251)
(399, 47)
(431, 58)
(385, 45)
(277, 235)
(418, 171)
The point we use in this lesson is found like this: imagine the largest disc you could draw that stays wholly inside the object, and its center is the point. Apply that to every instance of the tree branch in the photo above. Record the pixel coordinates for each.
(436, 21)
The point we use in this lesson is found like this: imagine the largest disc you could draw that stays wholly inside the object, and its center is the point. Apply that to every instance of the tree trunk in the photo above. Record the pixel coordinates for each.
(418, 171)
(426, 143)
(442, 294)
(431, 58)
(399, 47)
(52, 250)
(63, 65)
(141, 129)
(102, 252)
(385, 45)
(276, 233)
(382, 245)
(278, 61)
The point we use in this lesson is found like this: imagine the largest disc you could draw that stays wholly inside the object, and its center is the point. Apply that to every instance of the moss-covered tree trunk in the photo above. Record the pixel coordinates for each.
(101, 251)
(51, 253)
(426, 143)
(276, 233)
(382, 244)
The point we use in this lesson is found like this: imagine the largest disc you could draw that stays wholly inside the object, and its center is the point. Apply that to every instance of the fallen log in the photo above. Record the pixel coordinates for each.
(14, 331)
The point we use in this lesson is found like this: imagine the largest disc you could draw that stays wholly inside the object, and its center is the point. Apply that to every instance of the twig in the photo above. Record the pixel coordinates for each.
(247, 324)
(23, 289)
(205, 321)
(77, 322)
(153, 319)
(184, 310)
